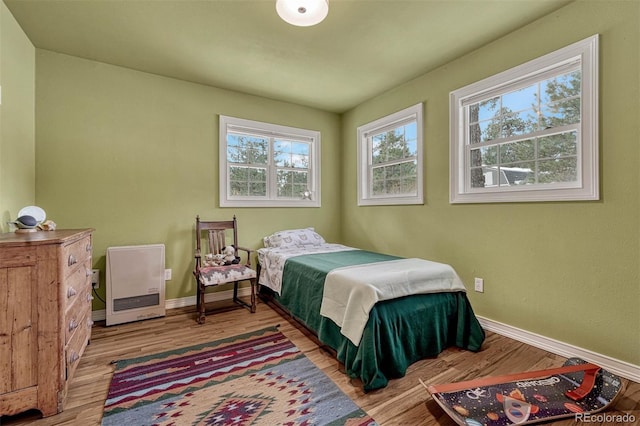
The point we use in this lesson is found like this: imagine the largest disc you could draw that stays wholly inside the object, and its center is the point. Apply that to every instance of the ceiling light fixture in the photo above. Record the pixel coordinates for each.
(302, 13)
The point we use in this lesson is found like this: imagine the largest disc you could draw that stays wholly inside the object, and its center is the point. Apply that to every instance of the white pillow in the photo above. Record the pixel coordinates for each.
(294, 238)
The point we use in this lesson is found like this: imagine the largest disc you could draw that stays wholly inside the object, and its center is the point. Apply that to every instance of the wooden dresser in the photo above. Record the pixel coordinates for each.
(45, 316)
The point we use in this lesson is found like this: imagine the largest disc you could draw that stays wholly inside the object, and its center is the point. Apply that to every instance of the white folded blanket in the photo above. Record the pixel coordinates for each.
(351, 292)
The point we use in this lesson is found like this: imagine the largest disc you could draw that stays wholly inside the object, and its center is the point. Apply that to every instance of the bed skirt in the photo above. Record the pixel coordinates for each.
(394, 339)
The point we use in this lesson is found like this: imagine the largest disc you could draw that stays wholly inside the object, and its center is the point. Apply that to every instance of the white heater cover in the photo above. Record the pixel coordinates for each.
(135, 283)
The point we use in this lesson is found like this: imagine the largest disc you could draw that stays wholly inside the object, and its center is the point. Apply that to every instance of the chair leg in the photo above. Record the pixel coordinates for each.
(200, 302)
(253, 296)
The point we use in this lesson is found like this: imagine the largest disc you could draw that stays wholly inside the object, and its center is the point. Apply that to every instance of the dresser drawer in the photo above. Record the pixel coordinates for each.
(74, 254)
(77, 313)
(76, 346)
(17, 256)
(76, 283)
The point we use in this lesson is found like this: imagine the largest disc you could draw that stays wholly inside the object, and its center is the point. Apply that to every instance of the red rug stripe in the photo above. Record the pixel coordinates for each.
(231, 360)
(182, 359)
(123, 386)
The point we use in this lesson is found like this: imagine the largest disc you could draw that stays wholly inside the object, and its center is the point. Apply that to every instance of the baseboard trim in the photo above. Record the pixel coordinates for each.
(621, 368)
(218, 296)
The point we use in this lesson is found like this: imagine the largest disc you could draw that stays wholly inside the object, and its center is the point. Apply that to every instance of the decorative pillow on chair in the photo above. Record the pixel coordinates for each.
(294, 237)
(215, 275)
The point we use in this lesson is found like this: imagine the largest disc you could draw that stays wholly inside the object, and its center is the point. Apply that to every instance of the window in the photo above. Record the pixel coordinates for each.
(529, 133)
(390, 159)
(267, 165)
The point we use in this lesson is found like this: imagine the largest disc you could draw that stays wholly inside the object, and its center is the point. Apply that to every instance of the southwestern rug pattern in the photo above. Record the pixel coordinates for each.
(258, 378)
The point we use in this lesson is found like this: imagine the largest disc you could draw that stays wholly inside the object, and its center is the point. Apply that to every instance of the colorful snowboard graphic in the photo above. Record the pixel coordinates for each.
(530, 397)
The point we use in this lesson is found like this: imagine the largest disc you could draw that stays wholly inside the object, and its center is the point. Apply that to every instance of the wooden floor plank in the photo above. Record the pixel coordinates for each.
(403, 402)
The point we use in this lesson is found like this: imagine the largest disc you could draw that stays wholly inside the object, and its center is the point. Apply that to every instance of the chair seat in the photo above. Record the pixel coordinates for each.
(216, 275)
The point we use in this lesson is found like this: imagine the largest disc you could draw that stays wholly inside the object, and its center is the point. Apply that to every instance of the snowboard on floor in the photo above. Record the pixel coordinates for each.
(576, 390)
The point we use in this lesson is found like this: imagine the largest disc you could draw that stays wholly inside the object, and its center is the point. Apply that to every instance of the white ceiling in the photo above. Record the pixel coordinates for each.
(363, 47)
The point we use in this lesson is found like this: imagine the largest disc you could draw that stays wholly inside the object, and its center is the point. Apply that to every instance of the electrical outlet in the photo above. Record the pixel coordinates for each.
(167, 274)
(479, 285)
(95, 278)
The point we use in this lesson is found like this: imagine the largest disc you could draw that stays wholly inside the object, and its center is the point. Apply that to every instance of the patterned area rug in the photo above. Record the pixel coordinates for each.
(258, 378)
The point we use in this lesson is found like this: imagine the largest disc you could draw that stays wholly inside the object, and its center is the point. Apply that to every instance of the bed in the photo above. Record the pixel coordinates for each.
(325, 286)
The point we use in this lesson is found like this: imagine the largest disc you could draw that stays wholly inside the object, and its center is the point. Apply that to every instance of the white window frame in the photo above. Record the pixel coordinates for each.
(585, 54)
(365, 159)
(271, 131)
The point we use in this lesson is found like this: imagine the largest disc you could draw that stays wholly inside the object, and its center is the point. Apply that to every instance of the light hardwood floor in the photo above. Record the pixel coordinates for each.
(403, 402)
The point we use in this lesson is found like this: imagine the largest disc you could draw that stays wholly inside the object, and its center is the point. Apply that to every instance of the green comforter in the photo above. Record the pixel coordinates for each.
(399, 331)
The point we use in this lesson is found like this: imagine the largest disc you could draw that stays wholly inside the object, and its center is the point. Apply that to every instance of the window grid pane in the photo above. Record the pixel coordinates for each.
(291, 154)
(396, 144)
(247, 149)
(248, 181)
(396, 179)
(550, 103)
(538, 161)
(291, 184)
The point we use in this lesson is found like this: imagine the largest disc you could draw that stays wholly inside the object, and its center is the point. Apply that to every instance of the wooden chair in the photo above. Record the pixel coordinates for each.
(213, 234)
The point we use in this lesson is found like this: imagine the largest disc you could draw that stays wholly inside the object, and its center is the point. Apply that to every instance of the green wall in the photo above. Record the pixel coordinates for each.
(135, 156)
(566, 270)
(17, 119)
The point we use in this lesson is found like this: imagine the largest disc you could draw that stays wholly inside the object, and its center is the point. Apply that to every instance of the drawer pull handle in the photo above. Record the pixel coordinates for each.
(89, 323)
(87, 272)
(89, 247)
(72, 260)
(73, 324)
(73, 357)
(71, 292)
(89, 298)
